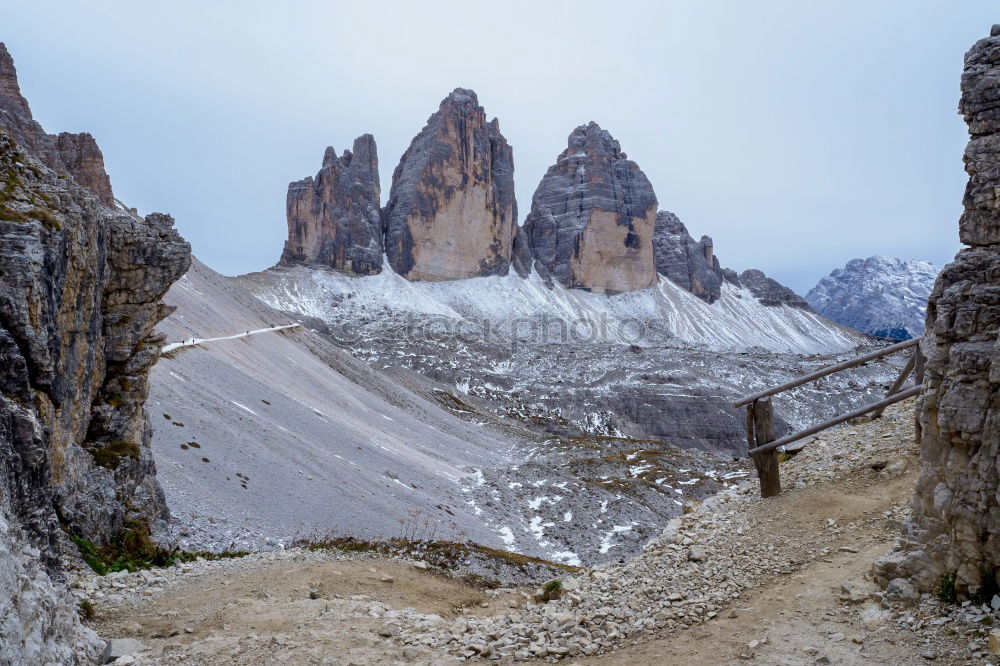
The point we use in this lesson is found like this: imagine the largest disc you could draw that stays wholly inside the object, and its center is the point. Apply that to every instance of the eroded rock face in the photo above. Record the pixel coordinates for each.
(80, 288)
(770, 292)
(882, 296)
(75, 155)
(954, 530)
(592, 218)
(688, 264)
(452, 212)
(334, 219)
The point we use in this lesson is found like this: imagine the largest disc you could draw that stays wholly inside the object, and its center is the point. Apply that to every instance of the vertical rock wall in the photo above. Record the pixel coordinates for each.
(592, 217)
(688, 264)
(74, 155)
(452, 213)
(80, 289)
(334, 220)
(954, 530)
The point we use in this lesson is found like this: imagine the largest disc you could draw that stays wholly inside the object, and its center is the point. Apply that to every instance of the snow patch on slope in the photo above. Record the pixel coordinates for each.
(515, 306)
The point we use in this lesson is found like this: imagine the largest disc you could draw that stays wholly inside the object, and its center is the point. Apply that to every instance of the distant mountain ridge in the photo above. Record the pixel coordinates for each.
(879, 295)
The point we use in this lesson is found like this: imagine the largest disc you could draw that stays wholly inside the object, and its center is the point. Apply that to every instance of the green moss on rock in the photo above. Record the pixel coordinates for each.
(110, 454)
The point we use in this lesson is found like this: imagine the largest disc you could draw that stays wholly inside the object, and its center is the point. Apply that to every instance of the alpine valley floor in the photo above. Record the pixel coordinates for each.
(737, 580)
(268, 432)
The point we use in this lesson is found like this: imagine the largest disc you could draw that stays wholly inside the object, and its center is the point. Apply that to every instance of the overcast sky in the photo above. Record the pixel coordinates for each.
(797, 134)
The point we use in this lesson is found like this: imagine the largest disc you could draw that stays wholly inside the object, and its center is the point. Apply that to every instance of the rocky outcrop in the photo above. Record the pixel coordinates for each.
(452, 212)
(952, 540)
(770, 292)
(592, 218)
(880, 296)
(688, 264)
(334, 219)
(80, 288)
(75, 155)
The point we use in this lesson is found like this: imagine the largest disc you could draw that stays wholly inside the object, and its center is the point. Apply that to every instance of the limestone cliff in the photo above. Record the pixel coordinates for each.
(592, 218)
(452, 212)
(74, 155)
(334, 219)
(771, 292)
(953, 535)
(688, 264)
(80, 288)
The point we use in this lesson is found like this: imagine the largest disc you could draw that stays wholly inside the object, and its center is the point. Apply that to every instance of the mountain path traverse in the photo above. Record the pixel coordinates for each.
(190, 342)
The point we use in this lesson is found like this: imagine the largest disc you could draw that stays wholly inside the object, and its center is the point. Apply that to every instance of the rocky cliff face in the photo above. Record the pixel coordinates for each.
(952, 535)
(771, 292)
(334, 219)
(74, 155)
(452, 212)
(80, 288)
(688, 264)
(592, 218)
(879, 295)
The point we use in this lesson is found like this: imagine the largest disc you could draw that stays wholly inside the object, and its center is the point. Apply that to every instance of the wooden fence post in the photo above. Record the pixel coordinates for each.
(766, 462)
(918, 366)
(898, 384)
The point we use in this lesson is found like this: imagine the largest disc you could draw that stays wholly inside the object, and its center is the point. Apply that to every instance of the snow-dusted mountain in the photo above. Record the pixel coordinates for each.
(265, 430)
(881, 296)
(519, 307)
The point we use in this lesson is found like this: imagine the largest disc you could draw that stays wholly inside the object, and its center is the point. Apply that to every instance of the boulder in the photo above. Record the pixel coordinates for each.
(592, 218)
(334, 219)
(452, 212)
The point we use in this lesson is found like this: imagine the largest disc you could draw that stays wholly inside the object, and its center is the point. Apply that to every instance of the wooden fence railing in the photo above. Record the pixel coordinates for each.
(762, 443)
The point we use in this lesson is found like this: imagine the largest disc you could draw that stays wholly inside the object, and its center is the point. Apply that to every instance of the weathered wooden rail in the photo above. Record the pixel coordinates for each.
(762, 443)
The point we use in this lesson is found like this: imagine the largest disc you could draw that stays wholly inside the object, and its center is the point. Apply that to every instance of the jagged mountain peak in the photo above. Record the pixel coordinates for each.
(452, 212)
(75, 155)
(11, 99)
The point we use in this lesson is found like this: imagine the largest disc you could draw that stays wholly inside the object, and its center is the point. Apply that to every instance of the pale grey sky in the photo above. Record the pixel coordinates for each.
(798, 134)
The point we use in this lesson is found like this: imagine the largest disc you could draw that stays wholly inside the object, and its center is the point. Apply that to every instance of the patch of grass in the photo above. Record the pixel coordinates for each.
(10, 215)
(88, 551)
(110, 455)
(453, 403)
(46, 217)
(947, 591)
(87, 610)
(133, 549)
(447, 555)
(551, 590)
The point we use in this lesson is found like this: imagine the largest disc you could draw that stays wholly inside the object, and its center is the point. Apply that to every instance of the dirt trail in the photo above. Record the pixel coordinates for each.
(841, 509)
(264, 613)
(800, 617)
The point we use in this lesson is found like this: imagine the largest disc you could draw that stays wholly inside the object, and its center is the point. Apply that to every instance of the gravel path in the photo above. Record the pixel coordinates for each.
(190, 342)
